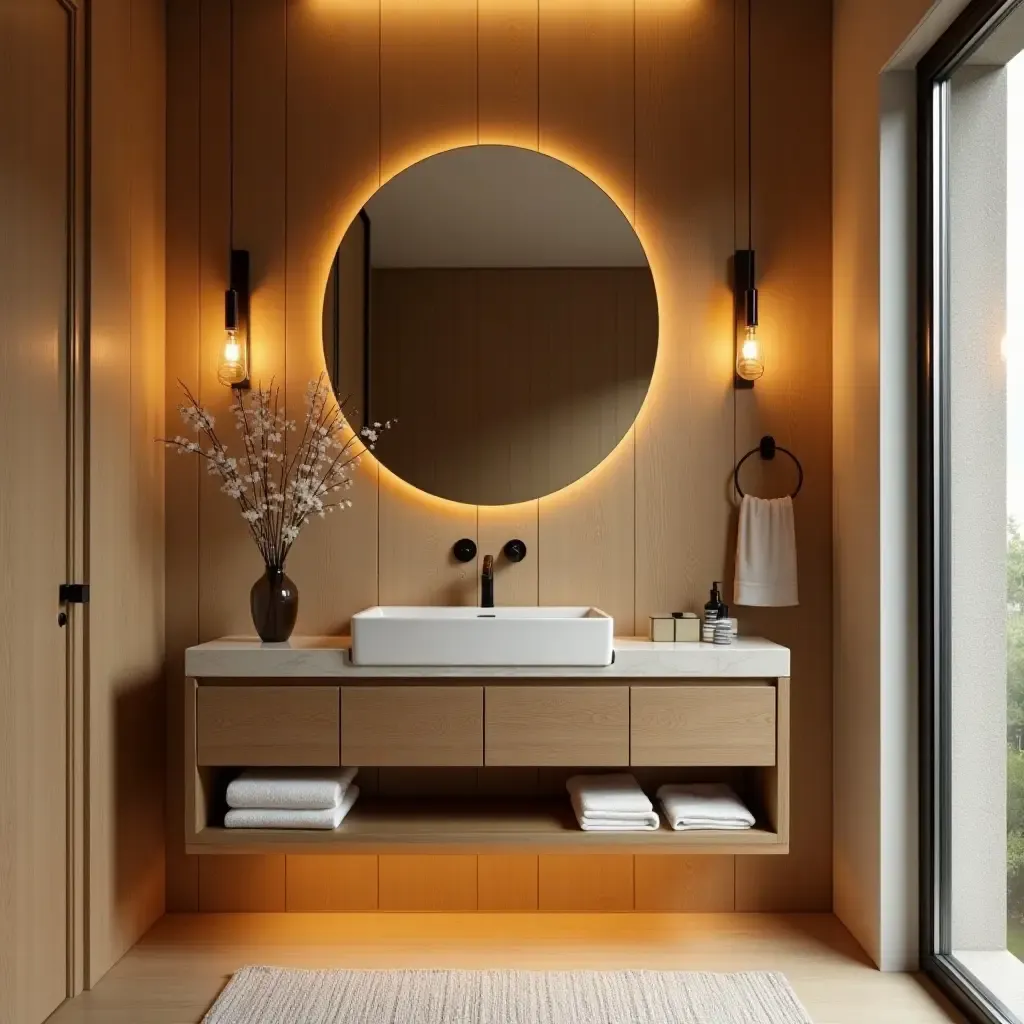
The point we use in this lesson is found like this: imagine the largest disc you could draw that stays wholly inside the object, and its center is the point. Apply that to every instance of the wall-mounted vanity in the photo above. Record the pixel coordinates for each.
(476, 758)
(499, 305)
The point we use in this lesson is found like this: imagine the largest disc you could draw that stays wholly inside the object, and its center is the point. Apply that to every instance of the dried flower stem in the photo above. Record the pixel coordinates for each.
(276, 505)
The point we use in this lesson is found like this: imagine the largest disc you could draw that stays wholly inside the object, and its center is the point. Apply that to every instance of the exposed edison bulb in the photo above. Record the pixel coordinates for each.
(750, 358)
(232, 369)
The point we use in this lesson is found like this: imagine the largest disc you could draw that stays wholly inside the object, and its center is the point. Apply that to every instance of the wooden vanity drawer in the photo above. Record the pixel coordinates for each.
(412, 726)
(702, 725)
(556, 725)
(249, 726)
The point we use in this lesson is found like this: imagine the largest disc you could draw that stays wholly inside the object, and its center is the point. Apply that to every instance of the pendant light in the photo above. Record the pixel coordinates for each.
(233, 365)
(749, 349)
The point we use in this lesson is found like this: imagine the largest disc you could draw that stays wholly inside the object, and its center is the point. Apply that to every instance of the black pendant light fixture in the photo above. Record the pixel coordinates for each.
(749, 350)
(233, 365)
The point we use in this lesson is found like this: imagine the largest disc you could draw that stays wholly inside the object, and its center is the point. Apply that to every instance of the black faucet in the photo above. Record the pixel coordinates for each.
(487, 583)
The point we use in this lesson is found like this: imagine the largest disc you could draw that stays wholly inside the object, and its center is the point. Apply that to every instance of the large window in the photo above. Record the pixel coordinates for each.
(971, 175)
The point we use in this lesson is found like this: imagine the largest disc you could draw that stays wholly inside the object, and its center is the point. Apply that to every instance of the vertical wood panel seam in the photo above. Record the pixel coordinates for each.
(284, 340)
(632, 428)
(199, 355)
(380, 103)
(538, 150)
(477, 69)
(197, 181)
(735, 220)
(131, 265)
(380, 159)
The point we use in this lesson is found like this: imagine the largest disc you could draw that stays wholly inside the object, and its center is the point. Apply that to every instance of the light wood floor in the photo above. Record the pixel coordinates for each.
(173, 975)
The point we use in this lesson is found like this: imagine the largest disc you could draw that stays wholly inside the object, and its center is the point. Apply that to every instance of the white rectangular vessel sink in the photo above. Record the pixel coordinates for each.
(482, 636)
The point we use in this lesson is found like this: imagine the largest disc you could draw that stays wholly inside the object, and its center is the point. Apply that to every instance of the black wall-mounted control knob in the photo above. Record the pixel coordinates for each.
(464, 550)
(515, 550)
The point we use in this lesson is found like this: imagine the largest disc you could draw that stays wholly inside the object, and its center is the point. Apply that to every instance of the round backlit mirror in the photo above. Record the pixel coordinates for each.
(499, 305)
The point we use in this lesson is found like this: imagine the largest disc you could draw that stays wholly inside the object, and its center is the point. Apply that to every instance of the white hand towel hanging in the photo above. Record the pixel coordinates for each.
(766, 553)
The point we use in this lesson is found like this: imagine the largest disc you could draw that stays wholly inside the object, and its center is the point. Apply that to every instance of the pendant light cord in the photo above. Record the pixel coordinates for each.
(750, 124)
(231, 133)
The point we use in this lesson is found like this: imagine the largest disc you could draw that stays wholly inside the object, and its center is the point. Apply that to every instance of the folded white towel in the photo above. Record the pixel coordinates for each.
(262, 817)
(610, 821)
(701, 805)
(766, 553)
(290, 789)
(615, 791)
(611, 803)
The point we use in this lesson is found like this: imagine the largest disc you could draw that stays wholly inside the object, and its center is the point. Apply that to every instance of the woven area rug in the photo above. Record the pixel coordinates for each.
(267, 995)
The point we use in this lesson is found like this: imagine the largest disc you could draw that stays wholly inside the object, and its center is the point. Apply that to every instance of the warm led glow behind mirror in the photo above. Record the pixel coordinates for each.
(499, 304)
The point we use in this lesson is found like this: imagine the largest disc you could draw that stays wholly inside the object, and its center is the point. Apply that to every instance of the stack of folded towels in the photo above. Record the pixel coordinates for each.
(316, 798)
(611, 803)
(704, 805)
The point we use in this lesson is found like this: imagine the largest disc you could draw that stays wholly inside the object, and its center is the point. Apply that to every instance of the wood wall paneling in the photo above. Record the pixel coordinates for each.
(243, 206)
(110, 435)
(228, 561)
(332, 167)
(126, 542)
(684, 217)
(586, 74)
(415, 882)
(243, 884)
(428, 80)
(674, 884)
(181, 475)
(586, 53)
(507, 71)
(36, 51)
(644, 103)
(515, 583)
(331, 883)
(507, 882)
(792, 225)
(574, 883)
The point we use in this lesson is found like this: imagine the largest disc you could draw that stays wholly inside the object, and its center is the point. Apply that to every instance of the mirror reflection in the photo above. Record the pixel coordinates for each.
(499, 305)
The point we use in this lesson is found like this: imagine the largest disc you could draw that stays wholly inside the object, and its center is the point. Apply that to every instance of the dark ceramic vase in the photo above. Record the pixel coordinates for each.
(274, 601)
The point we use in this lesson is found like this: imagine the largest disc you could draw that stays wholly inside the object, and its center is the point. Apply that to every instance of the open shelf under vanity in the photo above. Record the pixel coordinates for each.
(478, 764)
(447, 822)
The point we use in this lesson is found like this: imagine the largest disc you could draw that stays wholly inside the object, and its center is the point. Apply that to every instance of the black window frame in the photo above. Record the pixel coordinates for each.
(934, 71)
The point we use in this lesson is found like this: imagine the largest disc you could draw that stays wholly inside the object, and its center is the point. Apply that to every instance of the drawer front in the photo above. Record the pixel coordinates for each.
(702, 725)
(412, 726)
(567, 726)
(249, 726)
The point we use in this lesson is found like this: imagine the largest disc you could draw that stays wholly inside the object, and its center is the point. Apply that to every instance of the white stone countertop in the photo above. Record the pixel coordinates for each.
(319, 657)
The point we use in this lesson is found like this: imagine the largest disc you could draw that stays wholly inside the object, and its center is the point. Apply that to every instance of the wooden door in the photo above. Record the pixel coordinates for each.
(37, 47)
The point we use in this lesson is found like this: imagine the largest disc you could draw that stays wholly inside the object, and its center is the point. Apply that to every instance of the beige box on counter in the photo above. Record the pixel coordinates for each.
(687, 628)
(663, 628)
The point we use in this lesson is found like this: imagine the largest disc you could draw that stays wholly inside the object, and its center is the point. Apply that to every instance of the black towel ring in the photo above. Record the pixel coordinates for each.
(767, 449)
